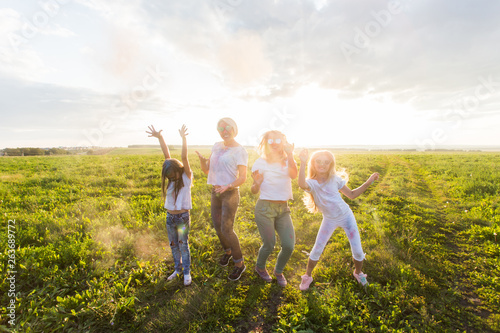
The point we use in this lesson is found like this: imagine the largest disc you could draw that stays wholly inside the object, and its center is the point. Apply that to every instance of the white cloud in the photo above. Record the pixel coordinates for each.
(57, 30)
(419, 58)
(19, 56)
(242, 59)
(9, 21)
(25, 64)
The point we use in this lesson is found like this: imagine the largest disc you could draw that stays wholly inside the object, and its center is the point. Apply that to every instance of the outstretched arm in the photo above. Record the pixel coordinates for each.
(304, 156)
(292, 166)
(184, 154)
(353, 194)
(204, 162)
(157, 134)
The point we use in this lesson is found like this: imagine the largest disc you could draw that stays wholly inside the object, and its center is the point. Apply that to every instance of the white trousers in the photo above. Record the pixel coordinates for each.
(328, 226)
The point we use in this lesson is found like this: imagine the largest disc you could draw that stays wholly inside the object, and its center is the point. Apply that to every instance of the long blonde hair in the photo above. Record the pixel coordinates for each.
(312, 174)
(263, 147)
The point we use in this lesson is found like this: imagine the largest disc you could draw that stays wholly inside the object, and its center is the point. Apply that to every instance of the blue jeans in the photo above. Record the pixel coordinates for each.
(178, 235)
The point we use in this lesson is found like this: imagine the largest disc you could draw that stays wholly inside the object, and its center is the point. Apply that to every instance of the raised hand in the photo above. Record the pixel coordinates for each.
(203, 159)
(258, 178)
(289, 148)
(204, 162)
(373, 177)
(154, 133)
(304, 156)
(183, 131)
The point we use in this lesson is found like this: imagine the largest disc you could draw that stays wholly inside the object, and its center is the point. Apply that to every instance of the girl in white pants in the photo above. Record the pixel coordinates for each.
(322, 188)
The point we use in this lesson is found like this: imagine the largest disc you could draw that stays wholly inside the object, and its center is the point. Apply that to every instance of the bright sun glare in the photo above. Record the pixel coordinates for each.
(313, 116)
(324, 118)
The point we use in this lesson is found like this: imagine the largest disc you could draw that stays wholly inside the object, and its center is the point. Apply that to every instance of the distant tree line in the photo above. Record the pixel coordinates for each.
(34, 151)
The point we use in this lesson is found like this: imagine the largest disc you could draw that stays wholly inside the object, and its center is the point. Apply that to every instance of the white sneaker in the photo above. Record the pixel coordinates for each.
(361, 278)
(173, 276)
(187, 279)
(306, 282)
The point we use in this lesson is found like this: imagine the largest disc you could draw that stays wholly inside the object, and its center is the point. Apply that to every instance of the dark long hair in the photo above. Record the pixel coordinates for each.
(172, 168)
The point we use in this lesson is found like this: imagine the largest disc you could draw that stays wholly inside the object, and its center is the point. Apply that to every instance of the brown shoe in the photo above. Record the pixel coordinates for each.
(224, 259)
(236, 273)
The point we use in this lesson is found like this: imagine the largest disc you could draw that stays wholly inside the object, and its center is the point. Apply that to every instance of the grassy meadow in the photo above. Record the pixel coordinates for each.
(92, 254)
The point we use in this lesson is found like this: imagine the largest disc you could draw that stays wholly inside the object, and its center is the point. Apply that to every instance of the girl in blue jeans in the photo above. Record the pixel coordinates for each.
(177, 194)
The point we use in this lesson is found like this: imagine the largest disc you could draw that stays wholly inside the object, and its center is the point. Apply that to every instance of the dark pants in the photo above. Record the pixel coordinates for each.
(223, 208)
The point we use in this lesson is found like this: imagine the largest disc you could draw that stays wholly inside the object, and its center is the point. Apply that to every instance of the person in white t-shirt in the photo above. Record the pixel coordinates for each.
(272, 174)
(227, 170)
(177, 195)
(322, 188)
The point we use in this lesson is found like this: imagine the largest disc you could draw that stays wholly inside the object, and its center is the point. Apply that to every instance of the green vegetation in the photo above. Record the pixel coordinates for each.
(34, 151)
(92, 251)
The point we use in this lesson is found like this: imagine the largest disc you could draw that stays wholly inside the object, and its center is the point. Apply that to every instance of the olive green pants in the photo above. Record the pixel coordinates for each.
(270, 217)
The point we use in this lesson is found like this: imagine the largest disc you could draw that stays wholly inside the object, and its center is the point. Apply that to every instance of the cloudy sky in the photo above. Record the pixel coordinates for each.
(347, 72)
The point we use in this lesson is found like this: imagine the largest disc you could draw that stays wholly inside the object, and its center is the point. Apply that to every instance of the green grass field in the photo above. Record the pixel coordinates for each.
(90, 249)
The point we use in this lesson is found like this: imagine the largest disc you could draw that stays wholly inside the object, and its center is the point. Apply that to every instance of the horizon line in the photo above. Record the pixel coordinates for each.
(340, 146)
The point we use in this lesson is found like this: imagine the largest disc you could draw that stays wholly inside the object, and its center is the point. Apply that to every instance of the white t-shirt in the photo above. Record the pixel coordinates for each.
(327, 196)
(277, 184)
(183, 197)
(224, 163)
